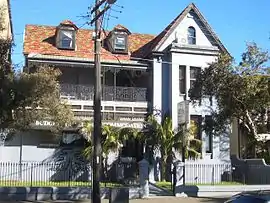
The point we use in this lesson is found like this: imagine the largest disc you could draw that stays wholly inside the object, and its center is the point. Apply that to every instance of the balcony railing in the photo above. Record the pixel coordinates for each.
(109, 93)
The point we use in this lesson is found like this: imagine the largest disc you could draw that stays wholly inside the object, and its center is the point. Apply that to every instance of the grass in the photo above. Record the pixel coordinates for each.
(164, 185)
(168, 185)
(11, 183)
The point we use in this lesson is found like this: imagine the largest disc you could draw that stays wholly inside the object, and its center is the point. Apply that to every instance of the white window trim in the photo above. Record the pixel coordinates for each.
(69, 34)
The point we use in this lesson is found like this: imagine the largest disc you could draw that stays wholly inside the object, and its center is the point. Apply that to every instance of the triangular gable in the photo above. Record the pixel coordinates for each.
(164, 35)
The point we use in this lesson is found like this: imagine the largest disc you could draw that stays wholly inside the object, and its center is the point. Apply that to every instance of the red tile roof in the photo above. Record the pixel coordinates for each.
(68, 23)
(41, 40)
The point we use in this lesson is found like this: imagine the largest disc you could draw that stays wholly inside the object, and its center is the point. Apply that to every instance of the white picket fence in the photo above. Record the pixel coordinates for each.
(205, 173)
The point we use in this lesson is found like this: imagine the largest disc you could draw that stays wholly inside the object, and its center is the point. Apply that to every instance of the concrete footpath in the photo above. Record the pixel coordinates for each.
(150, 200)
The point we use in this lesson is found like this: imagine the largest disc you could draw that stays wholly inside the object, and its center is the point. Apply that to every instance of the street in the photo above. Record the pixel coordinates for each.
(150, 200)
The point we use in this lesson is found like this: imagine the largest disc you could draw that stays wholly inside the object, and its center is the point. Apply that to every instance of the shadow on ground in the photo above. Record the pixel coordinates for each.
(213, 199)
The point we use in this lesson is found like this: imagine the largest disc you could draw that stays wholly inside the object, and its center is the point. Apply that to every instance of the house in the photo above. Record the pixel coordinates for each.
(5, 22)
(140, 72)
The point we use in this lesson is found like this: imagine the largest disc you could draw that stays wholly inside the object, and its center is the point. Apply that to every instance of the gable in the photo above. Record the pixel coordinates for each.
(178, 29)
(181, 32)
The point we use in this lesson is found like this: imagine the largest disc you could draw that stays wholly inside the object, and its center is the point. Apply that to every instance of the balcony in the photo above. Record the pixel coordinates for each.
(109, 93)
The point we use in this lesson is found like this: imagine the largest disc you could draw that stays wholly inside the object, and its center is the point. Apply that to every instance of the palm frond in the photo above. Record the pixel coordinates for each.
(192, 153)
(87, 152)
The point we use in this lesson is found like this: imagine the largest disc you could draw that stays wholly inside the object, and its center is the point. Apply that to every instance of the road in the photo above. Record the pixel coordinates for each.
(152, 200)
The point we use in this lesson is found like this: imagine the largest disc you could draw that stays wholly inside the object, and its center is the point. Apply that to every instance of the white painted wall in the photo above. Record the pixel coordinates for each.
(181, 33)
(157, 84)
(176, 55)
(5, 20)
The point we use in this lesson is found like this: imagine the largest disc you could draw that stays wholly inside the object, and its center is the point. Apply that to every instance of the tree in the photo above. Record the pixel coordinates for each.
(239, 91)
(162, 137)
(192, 145)
(30, 97)
(110, 142)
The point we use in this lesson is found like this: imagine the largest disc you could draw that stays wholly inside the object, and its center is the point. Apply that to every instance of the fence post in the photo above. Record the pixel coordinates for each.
(144, 177)
(31, 175)
(179, 184)
(213, 174)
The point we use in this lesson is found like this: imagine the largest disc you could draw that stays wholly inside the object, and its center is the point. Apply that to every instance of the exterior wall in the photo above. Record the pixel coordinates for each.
(181, 33)
(166, 85)
(32, 148)
(157, 84)
(5, 21)
(178, 52)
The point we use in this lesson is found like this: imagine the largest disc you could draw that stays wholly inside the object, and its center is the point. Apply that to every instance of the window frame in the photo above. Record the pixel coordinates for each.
(62, 36)
(209, 134)
(191, 78)
(191, 35)
(182, 78)
(116, 45)
(198, 120)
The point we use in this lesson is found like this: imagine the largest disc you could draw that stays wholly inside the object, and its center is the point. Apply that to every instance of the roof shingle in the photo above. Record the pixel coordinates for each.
(41, 39)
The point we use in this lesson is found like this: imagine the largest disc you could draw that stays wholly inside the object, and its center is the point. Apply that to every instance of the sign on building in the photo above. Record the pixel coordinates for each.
(183, 112)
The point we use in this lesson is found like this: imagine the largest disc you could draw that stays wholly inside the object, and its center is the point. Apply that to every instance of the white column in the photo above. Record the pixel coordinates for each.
(157, 84)
(174, 90)
(216, 148)
(204, 137)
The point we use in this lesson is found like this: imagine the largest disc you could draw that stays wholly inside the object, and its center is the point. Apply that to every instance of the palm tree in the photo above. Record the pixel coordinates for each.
(160, 136)
(87, 131)
(191, 143)
(109, 142)
(163, 138)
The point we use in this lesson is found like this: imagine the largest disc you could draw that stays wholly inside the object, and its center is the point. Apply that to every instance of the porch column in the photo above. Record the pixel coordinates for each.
(157, 84)
(174, 88)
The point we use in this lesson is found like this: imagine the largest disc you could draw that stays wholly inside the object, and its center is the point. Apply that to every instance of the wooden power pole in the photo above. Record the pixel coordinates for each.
(96, 198)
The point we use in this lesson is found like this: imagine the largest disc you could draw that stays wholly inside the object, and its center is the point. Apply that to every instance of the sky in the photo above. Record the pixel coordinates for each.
(236, 22)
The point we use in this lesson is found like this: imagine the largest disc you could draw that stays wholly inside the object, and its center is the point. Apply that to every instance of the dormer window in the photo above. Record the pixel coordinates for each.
(117, 41)
(67, 39)
(120, 43)
(65, 35)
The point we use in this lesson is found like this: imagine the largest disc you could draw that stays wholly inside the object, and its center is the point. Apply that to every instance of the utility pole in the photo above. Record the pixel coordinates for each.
(96, 198)
(97, 114)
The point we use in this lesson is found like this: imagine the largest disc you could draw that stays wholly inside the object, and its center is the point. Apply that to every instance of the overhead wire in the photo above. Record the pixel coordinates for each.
(132, 58)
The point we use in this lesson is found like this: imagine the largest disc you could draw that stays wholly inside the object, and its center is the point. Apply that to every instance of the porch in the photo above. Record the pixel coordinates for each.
(118, 84)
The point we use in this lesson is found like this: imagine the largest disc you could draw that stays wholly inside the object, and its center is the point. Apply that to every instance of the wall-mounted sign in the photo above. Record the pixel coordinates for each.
(183, 112)
(125, 124)
(44, 123)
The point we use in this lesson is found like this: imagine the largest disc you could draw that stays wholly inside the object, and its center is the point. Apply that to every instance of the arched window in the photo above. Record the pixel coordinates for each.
(191, 35)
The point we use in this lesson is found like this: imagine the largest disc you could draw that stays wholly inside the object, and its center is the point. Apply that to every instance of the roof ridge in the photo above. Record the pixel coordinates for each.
(53, 26)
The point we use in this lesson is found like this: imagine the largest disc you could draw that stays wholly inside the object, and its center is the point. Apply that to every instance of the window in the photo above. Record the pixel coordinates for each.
(67, 39)
(209, 133)
(198, 121)
(120, 43)
(182, 79)
(194, 71)
(191, 35)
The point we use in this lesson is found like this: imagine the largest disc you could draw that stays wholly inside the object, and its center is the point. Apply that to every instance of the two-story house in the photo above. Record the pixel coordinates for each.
(140, 72)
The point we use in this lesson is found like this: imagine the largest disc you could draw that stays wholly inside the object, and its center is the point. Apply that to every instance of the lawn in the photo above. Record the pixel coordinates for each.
(164, 185)
(168, 185)
(10, 183)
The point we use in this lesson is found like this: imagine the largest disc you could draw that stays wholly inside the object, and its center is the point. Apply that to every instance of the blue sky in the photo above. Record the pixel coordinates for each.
(235, 21)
